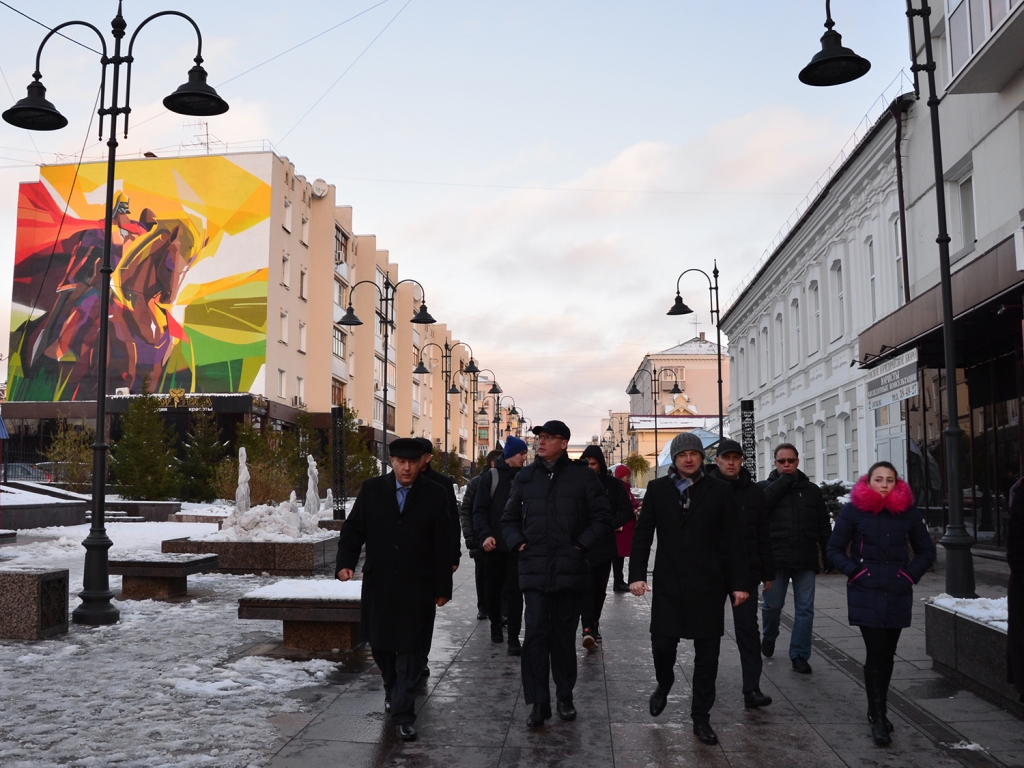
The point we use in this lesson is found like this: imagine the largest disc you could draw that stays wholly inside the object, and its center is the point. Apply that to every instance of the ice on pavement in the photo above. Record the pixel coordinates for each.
(308, 589)
(164, 686)
(991, 611)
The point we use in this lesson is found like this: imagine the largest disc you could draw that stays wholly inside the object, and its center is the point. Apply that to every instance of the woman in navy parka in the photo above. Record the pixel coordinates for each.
(880, 527)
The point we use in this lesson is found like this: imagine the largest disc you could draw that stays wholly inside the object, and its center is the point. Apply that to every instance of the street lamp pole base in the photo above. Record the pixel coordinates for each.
(95, 608)
(959, 563)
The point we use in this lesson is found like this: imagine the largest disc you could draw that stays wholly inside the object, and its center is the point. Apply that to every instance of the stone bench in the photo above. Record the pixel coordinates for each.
(321, 615)
(33, 603)
(159, 576)
(8, 535)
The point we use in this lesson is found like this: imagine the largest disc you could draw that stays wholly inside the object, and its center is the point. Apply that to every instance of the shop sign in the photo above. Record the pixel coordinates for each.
(893, 381)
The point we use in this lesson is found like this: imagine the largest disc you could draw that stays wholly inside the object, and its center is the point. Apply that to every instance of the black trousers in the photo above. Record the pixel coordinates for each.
(617, 567)
(705, 670)
(748, 640)
(880, 645)
(401, 673)
(503, 590)
(593, 602)
(480, 566)
(550, 644)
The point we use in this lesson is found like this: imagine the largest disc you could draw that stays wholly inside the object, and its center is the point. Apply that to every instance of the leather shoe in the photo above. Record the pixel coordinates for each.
(589, 641)
(480, 615)
(888, 723)
(515, 648)
(387, 705)
(658, 701)
(705, 733)
(800, 665)
(426, 672)
(754, 699)
(496, 636)
(538, 715)
(406, 733)
(767, 647)
(566, 710)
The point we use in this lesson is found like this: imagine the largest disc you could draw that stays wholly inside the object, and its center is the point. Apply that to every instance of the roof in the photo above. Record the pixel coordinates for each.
(695, 346)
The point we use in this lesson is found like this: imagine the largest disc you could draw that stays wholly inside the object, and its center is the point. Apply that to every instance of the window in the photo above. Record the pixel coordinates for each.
(900, 284)
(968, 30)
(337, 392)
(283, 338)
(794, 344)
(814, 344)
(839, 305)
(378, 371)
(780, 345)
(752, 375)
(300, 389)
(339, 246)
(339, 293)
(338, 346)
(287, 224)
(304, 232)
(282, 383)
(966, 189)
(742, 375)
(871, 279)
(391, 417)
(764, 364)
(303, 284)
(378, 411)
(302, 337)
(286, 269)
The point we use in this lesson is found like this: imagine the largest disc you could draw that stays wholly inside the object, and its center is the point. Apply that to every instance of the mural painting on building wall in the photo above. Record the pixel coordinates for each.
(187, 307)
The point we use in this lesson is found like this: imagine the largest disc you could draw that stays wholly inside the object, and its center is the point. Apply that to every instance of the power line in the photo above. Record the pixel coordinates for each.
(357, 58)
(60, 34)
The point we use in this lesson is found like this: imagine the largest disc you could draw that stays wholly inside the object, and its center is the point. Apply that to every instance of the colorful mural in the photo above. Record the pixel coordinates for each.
(188, 302)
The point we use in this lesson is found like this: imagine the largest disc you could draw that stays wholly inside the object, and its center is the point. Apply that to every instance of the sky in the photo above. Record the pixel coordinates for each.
(546, 168)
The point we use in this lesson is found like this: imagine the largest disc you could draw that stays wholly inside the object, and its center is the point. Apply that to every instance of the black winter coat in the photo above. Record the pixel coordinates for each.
(606, 550)
(408, 561)
(559, 515)
(466, 517)
(880, 590)
(798, 520)
(700, 557)
(455, 528)
(753, 518)
(488, 508)
(1015, 593)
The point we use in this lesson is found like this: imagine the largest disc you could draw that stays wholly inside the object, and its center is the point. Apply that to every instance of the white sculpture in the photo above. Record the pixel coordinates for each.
(329, 503)
(312, 488)
(242, 493)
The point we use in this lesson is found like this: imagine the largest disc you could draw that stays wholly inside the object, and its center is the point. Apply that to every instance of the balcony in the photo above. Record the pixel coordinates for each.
(996, 61)
(341, 270)
(339, 368)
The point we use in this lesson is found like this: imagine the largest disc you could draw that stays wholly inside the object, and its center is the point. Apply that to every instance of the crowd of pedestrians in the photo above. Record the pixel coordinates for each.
(547, 535)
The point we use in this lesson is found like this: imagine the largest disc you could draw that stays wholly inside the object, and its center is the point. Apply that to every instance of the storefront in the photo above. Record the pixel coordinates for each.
(988, 299)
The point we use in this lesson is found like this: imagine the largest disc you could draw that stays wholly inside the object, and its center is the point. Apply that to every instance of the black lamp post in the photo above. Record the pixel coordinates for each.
(510, 412)
(494, 390)
(957, 542)
(386, 318)
(655, 397)
(680, 308)
(447, 374)
(35, 113)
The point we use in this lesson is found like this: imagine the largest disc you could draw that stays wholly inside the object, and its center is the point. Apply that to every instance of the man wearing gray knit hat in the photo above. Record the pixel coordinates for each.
(700, 560)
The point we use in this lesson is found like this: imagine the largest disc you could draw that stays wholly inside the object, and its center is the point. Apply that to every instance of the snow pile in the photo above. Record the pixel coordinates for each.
(987, 610)
(310, 589)
(287, 521)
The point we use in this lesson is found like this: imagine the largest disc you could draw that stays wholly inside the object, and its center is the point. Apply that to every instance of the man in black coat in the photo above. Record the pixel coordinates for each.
(502, 564)
(700, 560)
(403, 520)
(753, 519)
(556, 513)
(448, 484)
(470, 538)
(605, 550)
(800, 528)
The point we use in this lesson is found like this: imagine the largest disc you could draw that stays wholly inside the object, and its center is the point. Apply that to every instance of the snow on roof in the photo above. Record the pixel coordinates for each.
(310, 589)
(695, 346)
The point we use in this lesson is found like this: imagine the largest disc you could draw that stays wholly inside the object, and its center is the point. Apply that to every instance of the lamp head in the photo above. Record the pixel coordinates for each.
(679, 307)
(631, 391)
(421, 368)
(471, 367)
(453, 389)
(675, 389)
(195, 97)
(495, 389)
(833, 64)
(422, 317)
(34, 112)
(482, 411)
(349, 318)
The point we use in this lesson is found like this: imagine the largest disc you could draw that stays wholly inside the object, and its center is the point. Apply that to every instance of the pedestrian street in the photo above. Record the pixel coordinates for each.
(471, 712)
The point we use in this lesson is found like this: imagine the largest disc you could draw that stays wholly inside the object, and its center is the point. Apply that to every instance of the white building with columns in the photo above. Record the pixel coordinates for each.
(793, 330)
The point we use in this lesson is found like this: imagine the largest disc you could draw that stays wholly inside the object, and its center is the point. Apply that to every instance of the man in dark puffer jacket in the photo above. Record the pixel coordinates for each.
(472, 542)
(800, 529)
(556, 513)
(753, 519)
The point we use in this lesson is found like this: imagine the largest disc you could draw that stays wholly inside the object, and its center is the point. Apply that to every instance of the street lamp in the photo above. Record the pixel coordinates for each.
(833, 64)
(655, 377)
(680, 308)
(957, 542)
(510, 412)
(447, 374)
(35, 113)
(386, 318)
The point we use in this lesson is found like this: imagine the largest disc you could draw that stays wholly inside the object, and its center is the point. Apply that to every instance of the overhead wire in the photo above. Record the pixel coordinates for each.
(44, 26)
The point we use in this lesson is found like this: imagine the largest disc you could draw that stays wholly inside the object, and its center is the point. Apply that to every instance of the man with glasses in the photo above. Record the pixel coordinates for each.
(800, 529)
(556, 512)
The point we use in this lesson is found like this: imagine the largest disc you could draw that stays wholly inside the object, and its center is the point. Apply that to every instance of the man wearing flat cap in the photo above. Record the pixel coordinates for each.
(556, 512)
(700, 560)
(402, 518)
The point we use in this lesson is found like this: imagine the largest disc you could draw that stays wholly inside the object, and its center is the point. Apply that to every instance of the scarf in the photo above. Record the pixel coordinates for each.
(683, 484)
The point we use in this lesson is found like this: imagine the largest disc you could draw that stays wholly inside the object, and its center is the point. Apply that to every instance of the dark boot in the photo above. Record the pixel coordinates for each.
(873, 679)
(886, 676)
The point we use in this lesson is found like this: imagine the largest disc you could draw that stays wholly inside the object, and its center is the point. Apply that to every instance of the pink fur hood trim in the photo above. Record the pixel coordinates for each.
(867, 499)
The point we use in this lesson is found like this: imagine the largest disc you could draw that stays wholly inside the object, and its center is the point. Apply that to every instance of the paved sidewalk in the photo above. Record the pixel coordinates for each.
(472, 714)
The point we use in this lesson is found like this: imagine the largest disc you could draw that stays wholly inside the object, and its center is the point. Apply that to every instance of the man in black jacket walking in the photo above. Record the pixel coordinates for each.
(753, 519)
(471, 540)
(448, 484)
(800, 529)
(502, 564)
(556, 512)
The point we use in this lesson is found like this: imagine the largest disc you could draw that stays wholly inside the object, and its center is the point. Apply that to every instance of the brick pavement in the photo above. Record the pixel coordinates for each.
(471, 711)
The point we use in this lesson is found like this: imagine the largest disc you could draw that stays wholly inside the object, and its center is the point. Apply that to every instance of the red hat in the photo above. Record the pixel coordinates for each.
(622, 471)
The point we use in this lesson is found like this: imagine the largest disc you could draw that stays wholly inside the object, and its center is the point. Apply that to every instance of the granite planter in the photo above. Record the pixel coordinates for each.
(33, 603)
(291, 558)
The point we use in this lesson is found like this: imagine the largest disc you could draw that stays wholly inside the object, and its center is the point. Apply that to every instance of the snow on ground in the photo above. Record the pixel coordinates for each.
(15, 496)
(159, 688)
(304, 589)
(991, 611)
